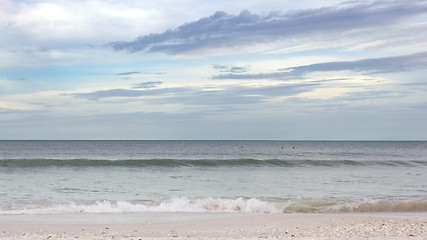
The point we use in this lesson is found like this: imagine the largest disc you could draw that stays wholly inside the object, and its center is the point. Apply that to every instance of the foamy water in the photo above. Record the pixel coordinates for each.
(57, 177)
(211, 205)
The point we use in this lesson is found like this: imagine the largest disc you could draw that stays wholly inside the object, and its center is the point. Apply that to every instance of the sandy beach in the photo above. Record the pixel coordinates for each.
(221, 226)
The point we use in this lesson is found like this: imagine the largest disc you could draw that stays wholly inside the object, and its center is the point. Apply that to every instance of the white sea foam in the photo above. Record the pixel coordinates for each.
(220, 205)
(173, 205)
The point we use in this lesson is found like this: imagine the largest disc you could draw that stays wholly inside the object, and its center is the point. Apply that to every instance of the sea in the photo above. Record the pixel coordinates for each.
(96, 177)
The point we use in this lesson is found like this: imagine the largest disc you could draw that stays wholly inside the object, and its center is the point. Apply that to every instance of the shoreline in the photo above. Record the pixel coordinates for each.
(217, 226)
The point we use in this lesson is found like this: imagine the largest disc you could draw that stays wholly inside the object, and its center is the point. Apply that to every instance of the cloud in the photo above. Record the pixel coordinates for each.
(127, 73)
(363, 96)
(139, 73)
(148, 85)
(231, 96)
(238, 95)
(416, 84)
(229, 68)
(78, 20)
(225, 30)
(374, 65)
(369, 66)
(280, 90)
(273, 75)
(128, 93)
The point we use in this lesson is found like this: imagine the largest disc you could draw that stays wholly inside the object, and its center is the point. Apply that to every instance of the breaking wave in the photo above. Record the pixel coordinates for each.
(220, 205)
(173, 205)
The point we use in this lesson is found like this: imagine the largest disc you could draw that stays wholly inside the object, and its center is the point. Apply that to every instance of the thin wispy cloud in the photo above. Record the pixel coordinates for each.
(226, 30)
(229, 68)
(368, 66)
(127, 93)
(148, 85)
(371, 66)
(193, 96)
(243, 95)
(127, 73)
(418, 84)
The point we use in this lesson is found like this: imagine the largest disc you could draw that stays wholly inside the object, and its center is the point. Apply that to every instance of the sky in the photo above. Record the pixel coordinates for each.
(199, 69)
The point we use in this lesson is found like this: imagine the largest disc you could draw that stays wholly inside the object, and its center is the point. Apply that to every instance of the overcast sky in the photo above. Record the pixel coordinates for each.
(194, 69)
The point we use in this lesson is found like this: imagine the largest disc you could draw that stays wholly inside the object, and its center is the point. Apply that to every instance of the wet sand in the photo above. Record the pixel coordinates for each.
(216, 226)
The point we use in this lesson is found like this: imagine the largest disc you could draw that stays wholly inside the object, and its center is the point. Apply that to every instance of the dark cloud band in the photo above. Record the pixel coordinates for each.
(225, 30)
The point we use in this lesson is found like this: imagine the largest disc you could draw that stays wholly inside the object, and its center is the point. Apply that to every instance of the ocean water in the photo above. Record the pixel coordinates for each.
(83, 177)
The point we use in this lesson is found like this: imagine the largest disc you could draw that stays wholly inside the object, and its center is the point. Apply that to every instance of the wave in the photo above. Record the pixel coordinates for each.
(220, 205)
(330, 206)
(174, 205)
(18, 163)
